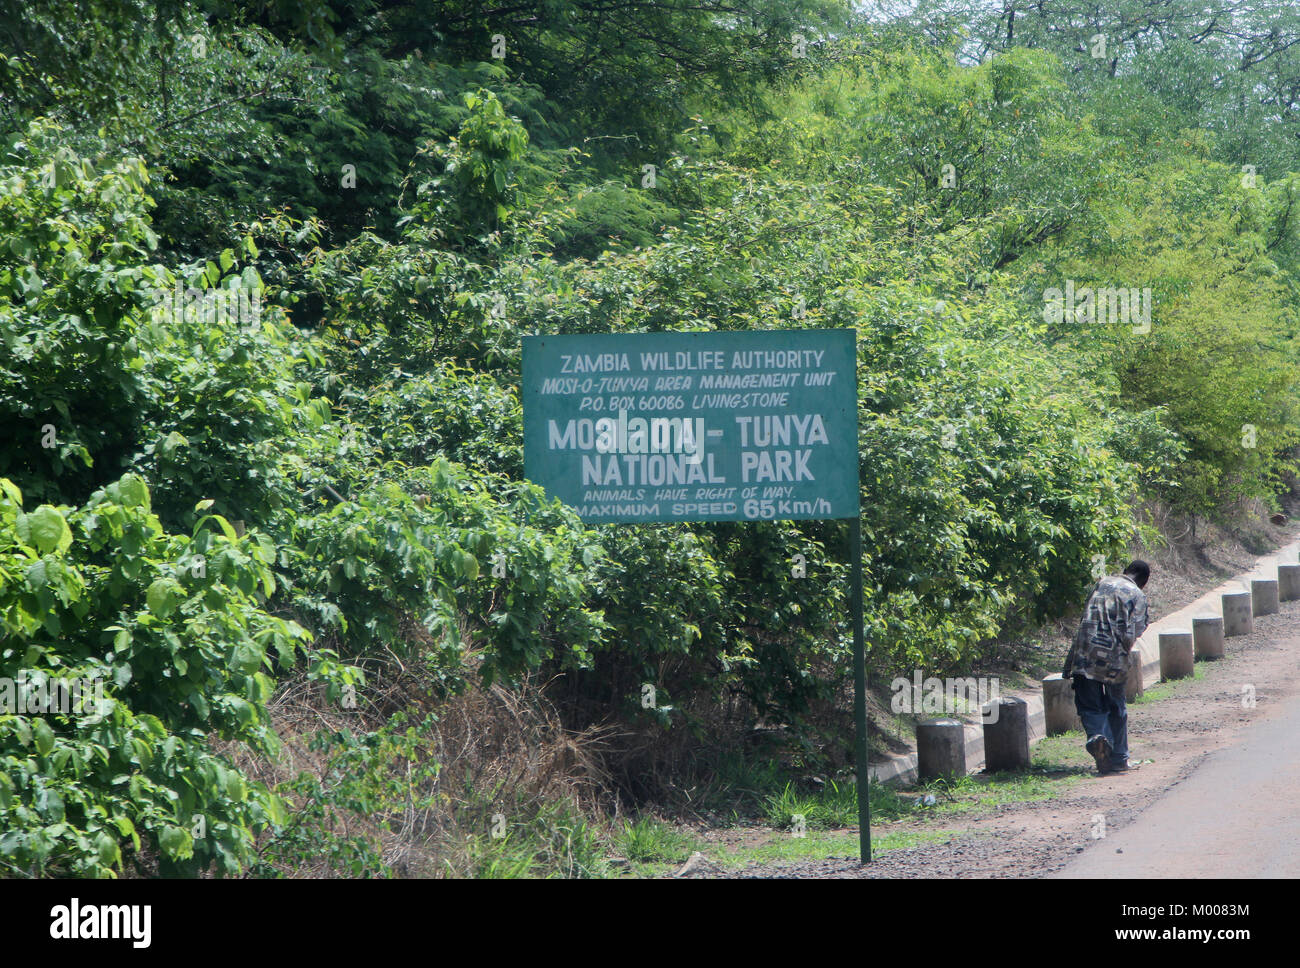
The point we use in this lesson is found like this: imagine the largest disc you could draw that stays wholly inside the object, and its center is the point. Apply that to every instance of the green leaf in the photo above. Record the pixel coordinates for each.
(226, 527)
(176, 843)
(171, 442)
(246, 659)
(36, 575)
(133, 491)
(48, 530)
(10, 490)
(236, 789)
(245, 714)
(163, 595)
(107, 849)
(43, 735)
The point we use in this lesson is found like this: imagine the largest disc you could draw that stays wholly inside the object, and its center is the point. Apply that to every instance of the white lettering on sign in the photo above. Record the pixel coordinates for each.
(598, 363)
(775, 359)
(682, 361)
(776, 431)
(775, 465)
(656, 470)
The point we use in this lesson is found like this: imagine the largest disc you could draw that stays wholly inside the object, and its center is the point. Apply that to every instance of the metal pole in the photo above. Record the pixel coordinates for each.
(860, 692)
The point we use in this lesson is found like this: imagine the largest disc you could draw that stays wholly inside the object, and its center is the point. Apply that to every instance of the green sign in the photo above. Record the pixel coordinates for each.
(747, 426)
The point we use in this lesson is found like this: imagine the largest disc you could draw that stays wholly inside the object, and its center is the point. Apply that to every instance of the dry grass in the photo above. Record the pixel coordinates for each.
(484, 751)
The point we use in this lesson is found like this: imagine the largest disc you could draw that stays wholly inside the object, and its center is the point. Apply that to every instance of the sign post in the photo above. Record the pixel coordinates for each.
(860, 693)
(716, 426)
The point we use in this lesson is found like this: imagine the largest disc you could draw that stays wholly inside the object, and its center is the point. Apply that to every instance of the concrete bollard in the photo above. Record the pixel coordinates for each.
(1059, 710)
(1176, 654)
(1133, 684)
(1237, 612)
(940, 749)
(1207, 637)
(1288, 582)
(1263, 594)
(1006, 735)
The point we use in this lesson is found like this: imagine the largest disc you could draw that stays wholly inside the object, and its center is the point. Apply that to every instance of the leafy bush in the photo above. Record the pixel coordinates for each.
(422, 546)
(449, 410)
(170, 629)
(72, 281)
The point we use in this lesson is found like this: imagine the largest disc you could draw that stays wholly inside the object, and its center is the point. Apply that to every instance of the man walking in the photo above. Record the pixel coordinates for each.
(1113, 620)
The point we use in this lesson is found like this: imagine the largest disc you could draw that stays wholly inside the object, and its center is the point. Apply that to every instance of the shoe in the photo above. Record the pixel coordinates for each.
(1099, 747)
(1123, 767)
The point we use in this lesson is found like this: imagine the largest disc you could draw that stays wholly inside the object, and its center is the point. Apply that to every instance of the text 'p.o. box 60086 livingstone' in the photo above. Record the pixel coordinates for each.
(719, 426)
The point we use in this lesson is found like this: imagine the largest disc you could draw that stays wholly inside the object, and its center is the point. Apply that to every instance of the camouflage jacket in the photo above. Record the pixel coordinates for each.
(1114, 618)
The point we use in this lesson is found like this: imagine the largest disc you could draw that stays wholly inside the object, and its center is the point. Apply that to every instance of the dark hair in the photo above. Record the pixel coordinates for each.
(1139, 571)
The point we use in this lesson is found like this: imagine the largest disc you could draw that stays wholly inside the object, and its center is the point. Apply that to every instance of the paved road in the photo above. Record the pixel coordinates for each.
(1237, 815)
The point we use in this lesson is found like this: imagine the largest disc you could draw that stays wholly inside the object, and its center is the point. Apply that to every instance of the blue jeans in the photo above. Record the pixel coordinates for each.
(1102, 709)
